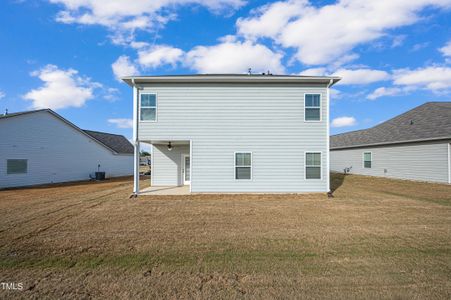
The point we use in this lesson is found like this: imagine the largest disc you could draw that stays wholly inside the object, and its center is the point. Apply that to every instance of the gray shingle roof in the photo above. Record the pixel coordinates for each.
(9, 115)
(430, 121)
(114, 141)
(117, 143)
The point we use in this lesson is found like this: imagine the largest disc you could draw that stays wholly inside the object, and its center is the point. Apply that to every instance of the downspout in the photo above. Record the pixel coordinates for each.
(449, 163)
(135, 140)
(328, 137)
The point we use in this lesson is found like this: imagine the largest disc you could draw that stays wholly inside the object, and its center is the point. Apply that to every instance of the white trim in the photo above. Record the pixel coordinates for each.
(152, 164)
(235, 166)
(156, 107)
(135, 141)
(363, 159)
(328, 135)
(183, 181)
(436, 139)
(449, 163)
(321, 165)
(132, 80)
(191, 166)
(320, 108)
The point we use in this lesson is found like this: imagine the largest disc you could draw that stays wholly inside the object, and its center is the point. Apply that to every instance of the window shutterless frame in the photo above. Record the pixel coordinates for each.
(370, 161)
(315, 107)
(140, 107)
(16, 166)
(242, 166)
(320, 166)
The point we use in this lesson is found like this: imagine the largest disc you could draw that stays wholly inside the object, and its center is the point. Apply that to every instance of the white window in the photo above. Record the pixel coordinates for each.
(367, 160)
(243, 165)
(16, 166)
(148, 107)
(312, 103)
(313, 165)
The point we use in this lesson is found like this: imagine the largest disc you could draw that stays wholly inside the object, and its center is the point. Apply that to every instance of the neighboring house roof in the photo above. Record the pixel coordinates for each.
(430, 121)
(116, 143)
(231, 78)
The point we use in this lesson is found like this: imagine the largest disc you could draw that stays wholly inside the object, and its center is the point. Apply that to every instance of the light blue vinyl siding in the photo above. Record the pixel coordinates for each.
(55, 152)
(167, 165)
(426, 161)
(220, 120)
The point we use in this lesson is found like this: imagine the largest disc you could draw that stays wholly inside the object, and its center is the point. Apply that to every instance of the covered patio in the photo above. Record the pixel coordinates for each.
(170, 169)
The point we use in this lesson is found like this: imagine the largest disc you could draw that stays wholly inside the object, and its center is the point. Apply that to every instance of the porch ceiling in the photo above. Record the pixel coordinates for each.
(165, 142)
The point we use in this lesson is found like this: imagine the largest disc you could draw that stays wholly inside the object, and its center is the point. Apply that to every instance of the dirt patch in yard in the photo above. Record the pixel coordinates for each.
(376, 238)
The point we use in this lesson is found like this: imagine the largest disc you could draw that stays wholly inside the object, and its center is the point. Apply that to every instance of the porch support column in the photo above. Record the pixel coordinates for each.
(135, 141)
(328, 136)
(136, 169)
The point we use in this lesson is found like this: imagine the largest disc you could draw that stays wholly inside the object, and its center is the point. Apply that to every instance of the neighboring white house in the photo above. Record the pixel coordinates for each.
(234, 133)
(39, 147)
(414, 145)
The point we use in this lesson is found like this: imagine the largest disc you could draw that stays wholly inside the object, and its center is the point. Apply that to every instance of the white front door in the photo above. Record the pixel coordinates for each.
(186, 167)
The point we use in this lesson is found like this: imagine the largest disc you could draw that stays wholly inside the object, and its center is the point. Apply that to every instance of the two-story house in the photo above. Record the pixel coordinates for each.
(234, 133)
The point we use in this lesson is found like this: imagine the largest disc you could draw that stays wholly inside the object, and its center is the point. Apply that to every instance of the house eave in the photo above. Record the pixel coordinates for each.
(391, 143)
(212, 78)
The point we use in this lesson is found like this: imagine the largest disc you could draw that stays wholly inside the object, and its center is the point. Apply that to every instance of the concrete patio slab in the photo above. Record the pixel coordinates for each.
(165, 190)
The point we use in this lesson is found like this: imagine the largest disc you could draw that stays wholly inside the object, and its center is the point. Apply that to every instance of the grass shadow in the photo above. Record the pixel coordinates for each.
(336, 181)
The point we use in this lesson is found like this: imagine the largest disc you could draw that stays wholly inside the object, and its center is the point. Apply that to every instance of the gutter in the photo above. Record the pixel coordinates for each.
(449, 163)
(273, 79)
(328, 134)
(392, 143)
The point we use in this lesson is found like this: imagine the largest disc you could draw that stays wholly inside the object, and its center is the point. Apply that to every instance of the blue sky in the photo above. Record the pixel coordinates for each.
(67, 54)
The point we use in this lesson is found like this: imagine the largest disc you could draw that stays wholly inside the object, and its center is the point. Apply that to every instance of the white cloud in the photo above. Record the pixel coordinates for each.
(121, 122)
(419, 46)
(314, 72)
(434, 78)
(343, 122)
(156, 56)
(350, 76)
(61, 88)
(2, 94)
(124, 17)
(110, 94)
(398, 40)
(123, 67)
(335, 94)
(385, 91)
(446, 50)
(270, 19)
(231, 56)
(360, 76)
(322, 35)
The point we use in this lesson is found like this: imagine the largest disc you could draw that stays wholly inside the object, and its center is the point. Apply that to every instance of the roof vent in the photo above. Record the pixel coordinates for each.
(411, 122)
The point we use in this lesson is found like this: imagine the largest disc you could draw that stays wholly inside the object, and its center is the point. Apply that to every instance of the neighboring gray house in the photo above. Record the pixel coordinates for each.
(39, 147)
(414, 145)
(234, 133)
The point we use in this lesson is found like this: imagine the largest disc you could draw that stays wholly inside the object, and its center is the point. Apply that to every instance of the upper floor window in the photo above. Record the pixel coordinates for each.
(243, 165)
(16, 166)
(312, 107)
(148, 107)
(367, 160)
(313, 165)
